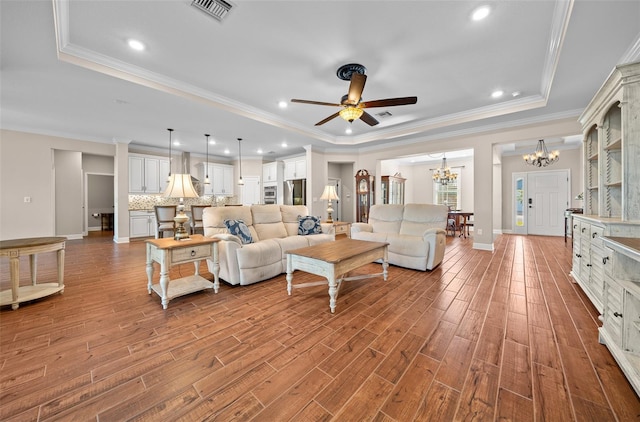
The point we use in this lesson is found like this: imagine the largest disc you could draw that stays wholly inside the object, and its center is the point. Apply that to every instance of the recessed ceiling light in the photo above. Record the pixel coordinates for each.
(176, 142)
(212, 141)
(226, 150)
(136, 45)
(284, 145)
(259, 151)
(497, 94)
(348, 131)
(282, 104)
(515, 94)
(480, 13)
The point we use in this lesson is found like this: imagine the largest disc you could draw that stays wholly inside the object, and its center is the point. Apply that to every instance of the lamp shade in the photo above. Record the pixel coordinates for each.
(329, 193)
(351, 113)
(180, 186)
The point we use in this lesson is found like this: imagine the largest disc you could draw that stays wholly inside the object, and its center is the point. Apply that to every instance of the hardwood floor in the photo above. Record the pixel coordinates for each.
(486, 336)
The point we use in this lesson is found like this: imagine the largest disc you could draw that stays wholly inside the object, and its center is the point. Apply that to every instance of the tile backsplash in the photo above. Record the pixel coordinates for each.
(147, 202)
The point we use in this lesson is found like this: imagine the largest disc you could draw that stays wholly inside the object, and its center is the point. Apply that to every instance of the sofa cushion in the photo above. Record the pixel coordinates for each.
(418, 218)
(267, 221)
(308, 225)
(386, 218)
(240, 229)
(290, 215)
(407, 245)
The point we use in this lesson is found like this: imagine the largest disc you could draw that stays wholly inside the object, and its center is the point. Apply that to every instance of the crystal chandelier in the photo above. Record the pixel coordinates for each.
(443, 175)
(542, 157)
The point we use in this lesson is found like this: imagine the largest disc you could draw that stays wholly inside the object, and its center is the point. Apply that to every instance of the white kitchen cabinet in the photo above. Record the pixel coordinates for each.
(272, 173)
(147, 174)
(295, 168)
(142, 223)
(587, 259)
(589, 252)
(220, 178)
(620, 330)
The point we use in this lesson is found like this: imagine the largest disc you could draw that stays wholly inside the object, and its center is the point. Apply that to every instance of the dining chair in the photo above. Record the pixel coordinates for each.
(452, 222)
(164, 219)
(196, 218)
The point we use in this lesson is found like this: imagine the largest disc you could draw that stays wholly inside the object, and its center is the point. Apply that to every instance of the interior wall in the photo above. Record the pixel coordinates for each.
(347, 200)
(569, 159)
(20, 151)
(69, 201)
(433, 144)
(421, 188)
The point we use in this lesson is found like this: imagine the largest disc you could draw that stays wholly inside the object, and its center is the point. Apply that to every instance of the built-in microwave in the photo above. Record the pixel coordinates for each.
(270, 194)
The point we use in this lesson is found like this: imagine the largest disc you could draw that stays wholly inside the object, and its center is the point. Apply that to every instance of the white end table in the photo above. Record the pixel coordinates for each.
(169, 252)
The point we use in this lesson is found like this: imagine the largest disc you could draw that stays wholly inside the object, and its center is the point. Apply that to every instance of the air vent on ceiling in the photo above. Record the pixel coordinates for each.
(216, 8)
(384, 114)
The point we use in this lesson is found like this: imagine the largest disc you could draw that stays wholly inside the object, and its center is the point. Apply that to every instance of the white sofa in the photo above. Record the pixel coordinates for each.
(415, 233)
(274, 230)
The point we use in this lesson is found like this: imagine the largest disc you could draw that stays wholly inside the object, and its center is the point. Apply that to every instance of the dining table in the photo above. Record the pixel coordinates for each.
(461, 219)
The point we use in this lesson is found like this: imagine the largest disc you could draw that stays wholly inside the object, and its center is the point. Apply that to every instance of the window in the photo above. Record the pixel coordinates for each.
(448, 194)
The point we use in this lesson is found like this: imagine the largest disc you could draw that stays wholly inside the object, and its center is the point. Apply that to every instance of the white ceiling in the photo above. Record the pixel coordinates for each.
(67, 70)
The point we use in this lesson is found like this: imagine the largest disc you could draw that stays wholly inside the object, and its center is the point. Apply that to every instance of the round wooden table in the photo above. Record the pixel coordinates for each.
(14, 249)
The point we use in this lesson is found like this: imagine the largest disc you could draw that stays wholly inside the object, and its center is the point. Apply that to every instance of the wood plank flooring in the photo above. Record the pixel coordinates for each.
(501, 335)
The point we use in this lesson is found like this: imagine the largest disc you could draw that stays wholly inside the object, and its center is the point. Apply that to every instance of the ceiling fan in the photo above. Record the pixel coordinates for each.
(352, 104)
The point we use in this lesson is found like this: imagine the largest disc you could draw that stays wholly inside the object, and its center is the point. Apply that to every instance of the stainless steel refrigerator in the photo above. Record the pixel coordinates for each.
(295, 192)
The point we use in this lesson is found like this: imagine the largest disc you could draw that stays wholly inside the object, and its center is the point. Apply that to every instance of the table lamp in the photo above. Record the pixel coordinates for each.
(180, 186)
(330, 194)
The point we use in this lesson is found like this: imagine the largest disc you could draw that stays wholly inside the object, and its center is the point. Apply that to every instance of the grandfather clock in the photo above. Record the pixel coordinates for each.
(364, 195)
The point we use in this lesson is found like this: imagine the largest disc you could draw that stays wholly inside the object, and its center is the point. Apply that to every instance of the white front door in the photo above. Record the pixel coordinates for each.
(547, 197)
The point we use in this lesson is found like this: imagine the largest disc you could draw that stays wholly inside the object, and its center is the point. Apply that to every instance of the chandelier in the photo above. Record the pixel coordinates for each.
(542, 157)
(443, 175)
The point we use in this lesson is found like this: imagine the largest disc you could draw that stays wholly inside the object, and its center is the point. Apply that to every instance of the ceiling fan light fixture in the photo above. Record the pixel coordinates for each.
(351, 113)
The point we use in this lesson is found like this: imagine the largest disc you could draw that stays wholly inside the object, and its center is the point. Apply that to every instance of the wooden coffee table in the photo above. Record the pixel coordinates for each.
(333, 260)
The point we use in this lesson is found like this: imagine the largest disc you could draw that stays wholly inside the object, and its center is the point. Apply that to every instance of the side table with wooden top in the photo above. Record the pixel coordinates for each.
(342, 228)
(169, 252)
(14, 249)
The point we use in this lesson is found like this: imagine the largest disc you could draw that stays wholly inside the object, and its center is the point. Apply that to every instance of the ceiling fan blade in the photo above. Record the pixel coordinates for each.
(315, 102)
(333, 116)
(368, 119)
(389, 102)
(355, 88)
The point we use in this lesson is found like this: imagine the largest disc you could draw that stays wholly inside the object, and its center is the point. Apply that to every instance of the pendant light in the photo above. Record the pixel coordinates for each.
(206, 163)
(169, 176)
(240, 181)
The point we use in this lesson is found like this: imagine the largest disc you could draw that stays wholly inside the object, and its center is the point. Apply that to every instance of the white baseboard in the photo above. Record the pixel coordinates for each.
(483, 246)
